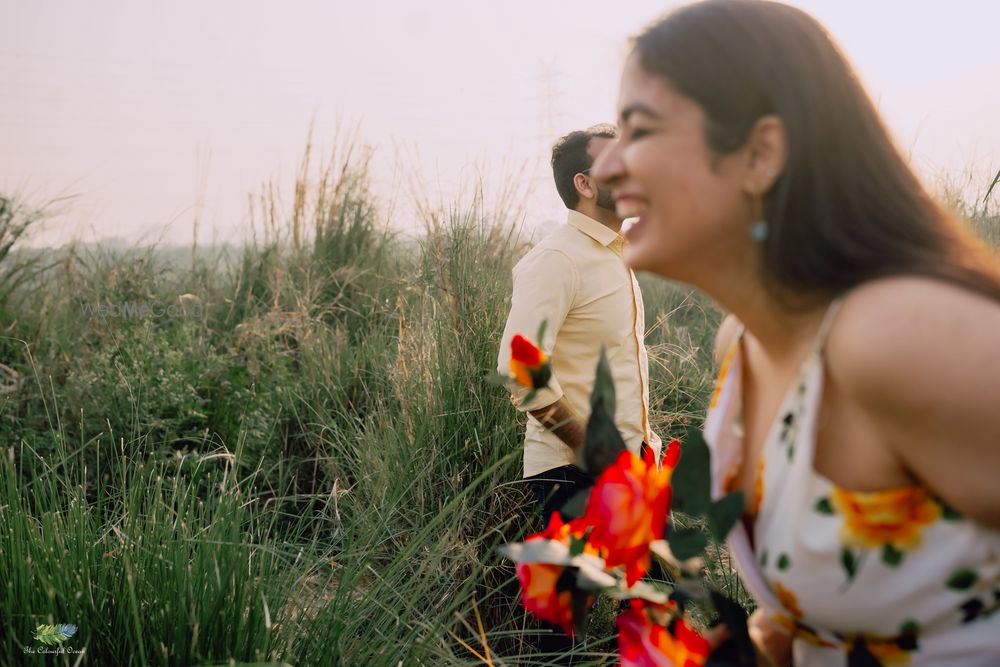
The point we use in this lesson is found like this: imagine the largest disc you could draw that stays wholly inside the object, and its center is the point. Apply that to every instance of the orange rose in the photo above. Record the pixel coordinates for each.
(546, 588)
(628, 509)
(642, 642)
(546, 594)
(528, 364)
(893, 517)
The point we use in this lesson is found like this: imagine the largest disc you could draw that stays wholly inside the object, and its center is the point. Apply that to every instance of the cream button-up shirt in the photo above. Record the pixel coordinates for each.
(576, 279)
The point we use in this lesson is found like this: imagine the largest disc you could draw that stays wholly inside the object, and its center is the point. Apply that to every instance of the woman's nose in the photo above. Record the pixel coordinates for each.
(607, 166)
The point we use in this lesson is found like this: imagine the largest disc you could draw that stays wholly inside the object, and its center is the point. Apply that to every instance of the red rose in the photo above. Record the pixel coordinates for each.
(528, 364)
(628, 509)
(643, 642)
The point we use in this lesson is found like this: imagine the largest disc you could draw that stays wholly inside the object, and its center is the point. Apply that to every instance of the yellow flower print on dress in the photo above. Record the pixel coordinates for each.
(889, 653)
(758, 487)
(894, 518)
(800, 630)
(885, 652)
(723, 372)
(787, 599)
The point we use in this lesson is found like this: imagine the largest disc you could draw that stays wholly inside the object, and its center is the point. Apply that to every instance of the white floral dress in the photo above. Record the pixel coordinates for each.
(892, 577)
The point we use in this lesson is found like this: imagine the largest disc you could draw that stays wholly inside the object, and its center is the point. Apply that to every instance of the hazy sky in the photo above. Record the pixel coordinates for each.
(153, 112)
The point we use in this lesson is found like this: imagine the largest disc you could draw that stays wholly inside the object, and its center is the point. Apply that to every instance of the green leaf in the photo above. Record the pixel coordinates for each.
(604, 386)
(692, 478)
(602, 443)
(576, 505)
(972, 609)
(849, 562)
(687, 543)
(576, 545)
(823, 506)
(581, 611)
(963, 580)
(540, 378)
(784, 562)
(891, 556)
(540, 338)
(497, 380)
(949, 513)
(724, 513)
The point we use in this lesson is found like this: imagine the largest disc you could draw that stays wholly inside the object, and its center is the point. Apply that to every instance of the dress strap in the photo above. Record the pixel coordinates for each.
(824, 327)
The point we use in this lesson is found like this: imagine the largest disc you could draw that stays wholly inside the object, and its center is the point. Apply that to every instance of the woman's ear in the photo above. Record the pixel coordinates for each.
(766, 151)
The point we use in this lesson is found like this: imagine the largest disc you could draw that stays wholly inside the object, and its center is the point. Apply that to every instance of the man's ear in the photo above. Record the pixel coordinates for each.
(583, 187)
(766, 151)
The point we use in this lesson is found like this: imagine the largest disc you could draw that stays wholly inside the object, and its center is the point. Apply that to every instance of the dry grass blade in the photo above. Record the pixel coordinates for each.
(989, 191)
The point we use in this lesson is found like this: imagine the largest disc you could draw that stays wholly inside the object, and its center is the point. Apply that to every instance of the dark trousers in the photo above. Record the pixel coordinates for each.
(552, 489)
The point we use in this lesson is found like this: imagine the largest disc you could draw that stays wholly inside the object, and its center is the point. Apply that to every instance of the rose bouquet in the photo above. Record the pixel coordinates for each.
(619, 526)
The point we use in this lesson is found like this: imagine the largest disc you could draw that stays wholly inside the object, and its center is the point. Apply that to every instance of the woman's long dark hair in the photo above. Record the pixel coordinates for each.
(847, 208)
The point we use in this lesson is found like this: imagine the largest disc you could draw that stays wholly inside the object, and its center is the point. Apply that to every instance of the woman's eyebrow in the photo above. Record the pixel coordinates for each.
(634, 108)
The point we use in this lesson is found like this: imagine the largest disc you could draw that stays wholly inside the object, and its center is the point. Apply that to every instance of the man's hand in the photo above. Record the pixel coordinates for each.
(558, 419)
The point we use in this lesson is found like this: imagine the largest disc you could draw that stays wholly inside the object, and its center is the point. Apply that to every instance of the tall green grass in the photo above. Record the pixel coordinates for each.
(305, 463)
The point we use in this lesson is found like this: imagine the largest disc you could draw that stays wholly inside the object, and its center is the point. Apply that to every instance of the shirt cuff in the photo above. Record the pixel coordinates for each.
(543, 397)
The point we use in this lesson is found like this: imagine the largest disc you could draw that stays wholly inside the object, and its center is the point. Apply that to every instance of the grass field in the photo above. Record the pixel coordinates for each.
(290, 454)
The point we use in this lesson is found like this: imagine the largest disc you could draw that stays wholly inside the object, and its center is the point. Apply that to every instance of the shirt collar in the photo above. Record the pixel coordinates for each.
(592, 228)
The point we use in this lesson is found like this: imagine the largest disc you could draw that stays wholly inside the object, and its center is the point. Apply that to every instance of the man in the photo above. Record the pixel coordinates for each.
(577, 281)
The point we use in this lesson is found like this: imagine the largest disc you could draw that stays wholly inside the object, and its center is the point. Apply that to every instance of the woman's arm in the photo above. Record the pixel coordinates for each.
(920, 361)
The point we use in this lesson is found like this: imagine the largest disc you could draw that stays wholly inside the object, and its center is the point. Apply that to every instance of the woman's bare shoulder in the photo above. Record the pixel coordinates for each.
(912, 328)
(729, 329)
(918, 360)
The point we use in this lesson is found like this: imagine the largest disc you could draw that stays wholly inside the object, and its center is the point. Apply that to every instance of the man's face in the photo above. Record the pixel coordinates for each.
(604, 198)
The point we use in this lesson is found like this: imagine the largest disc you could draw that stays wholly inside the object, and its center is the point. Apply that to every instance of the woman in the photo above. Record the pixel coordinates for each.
(857, 406)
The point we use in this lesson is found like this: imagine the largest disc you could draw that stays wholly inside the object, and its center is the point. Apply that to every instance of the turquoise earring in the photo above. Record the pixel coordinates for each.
(759, 227)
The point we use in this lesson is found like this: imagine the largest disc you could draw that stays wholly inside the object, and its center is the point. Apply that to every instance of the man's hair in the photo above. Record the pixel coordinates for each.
(569, 158)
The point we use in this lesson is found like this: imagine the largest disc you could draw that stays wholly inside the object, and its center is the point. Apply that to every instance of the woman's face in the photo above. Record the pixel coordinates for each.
(691, 208)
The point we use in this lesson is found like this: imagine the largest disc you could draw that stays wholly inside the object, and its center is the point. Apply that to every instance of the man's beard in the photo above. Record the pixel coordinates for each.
(604, 198)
